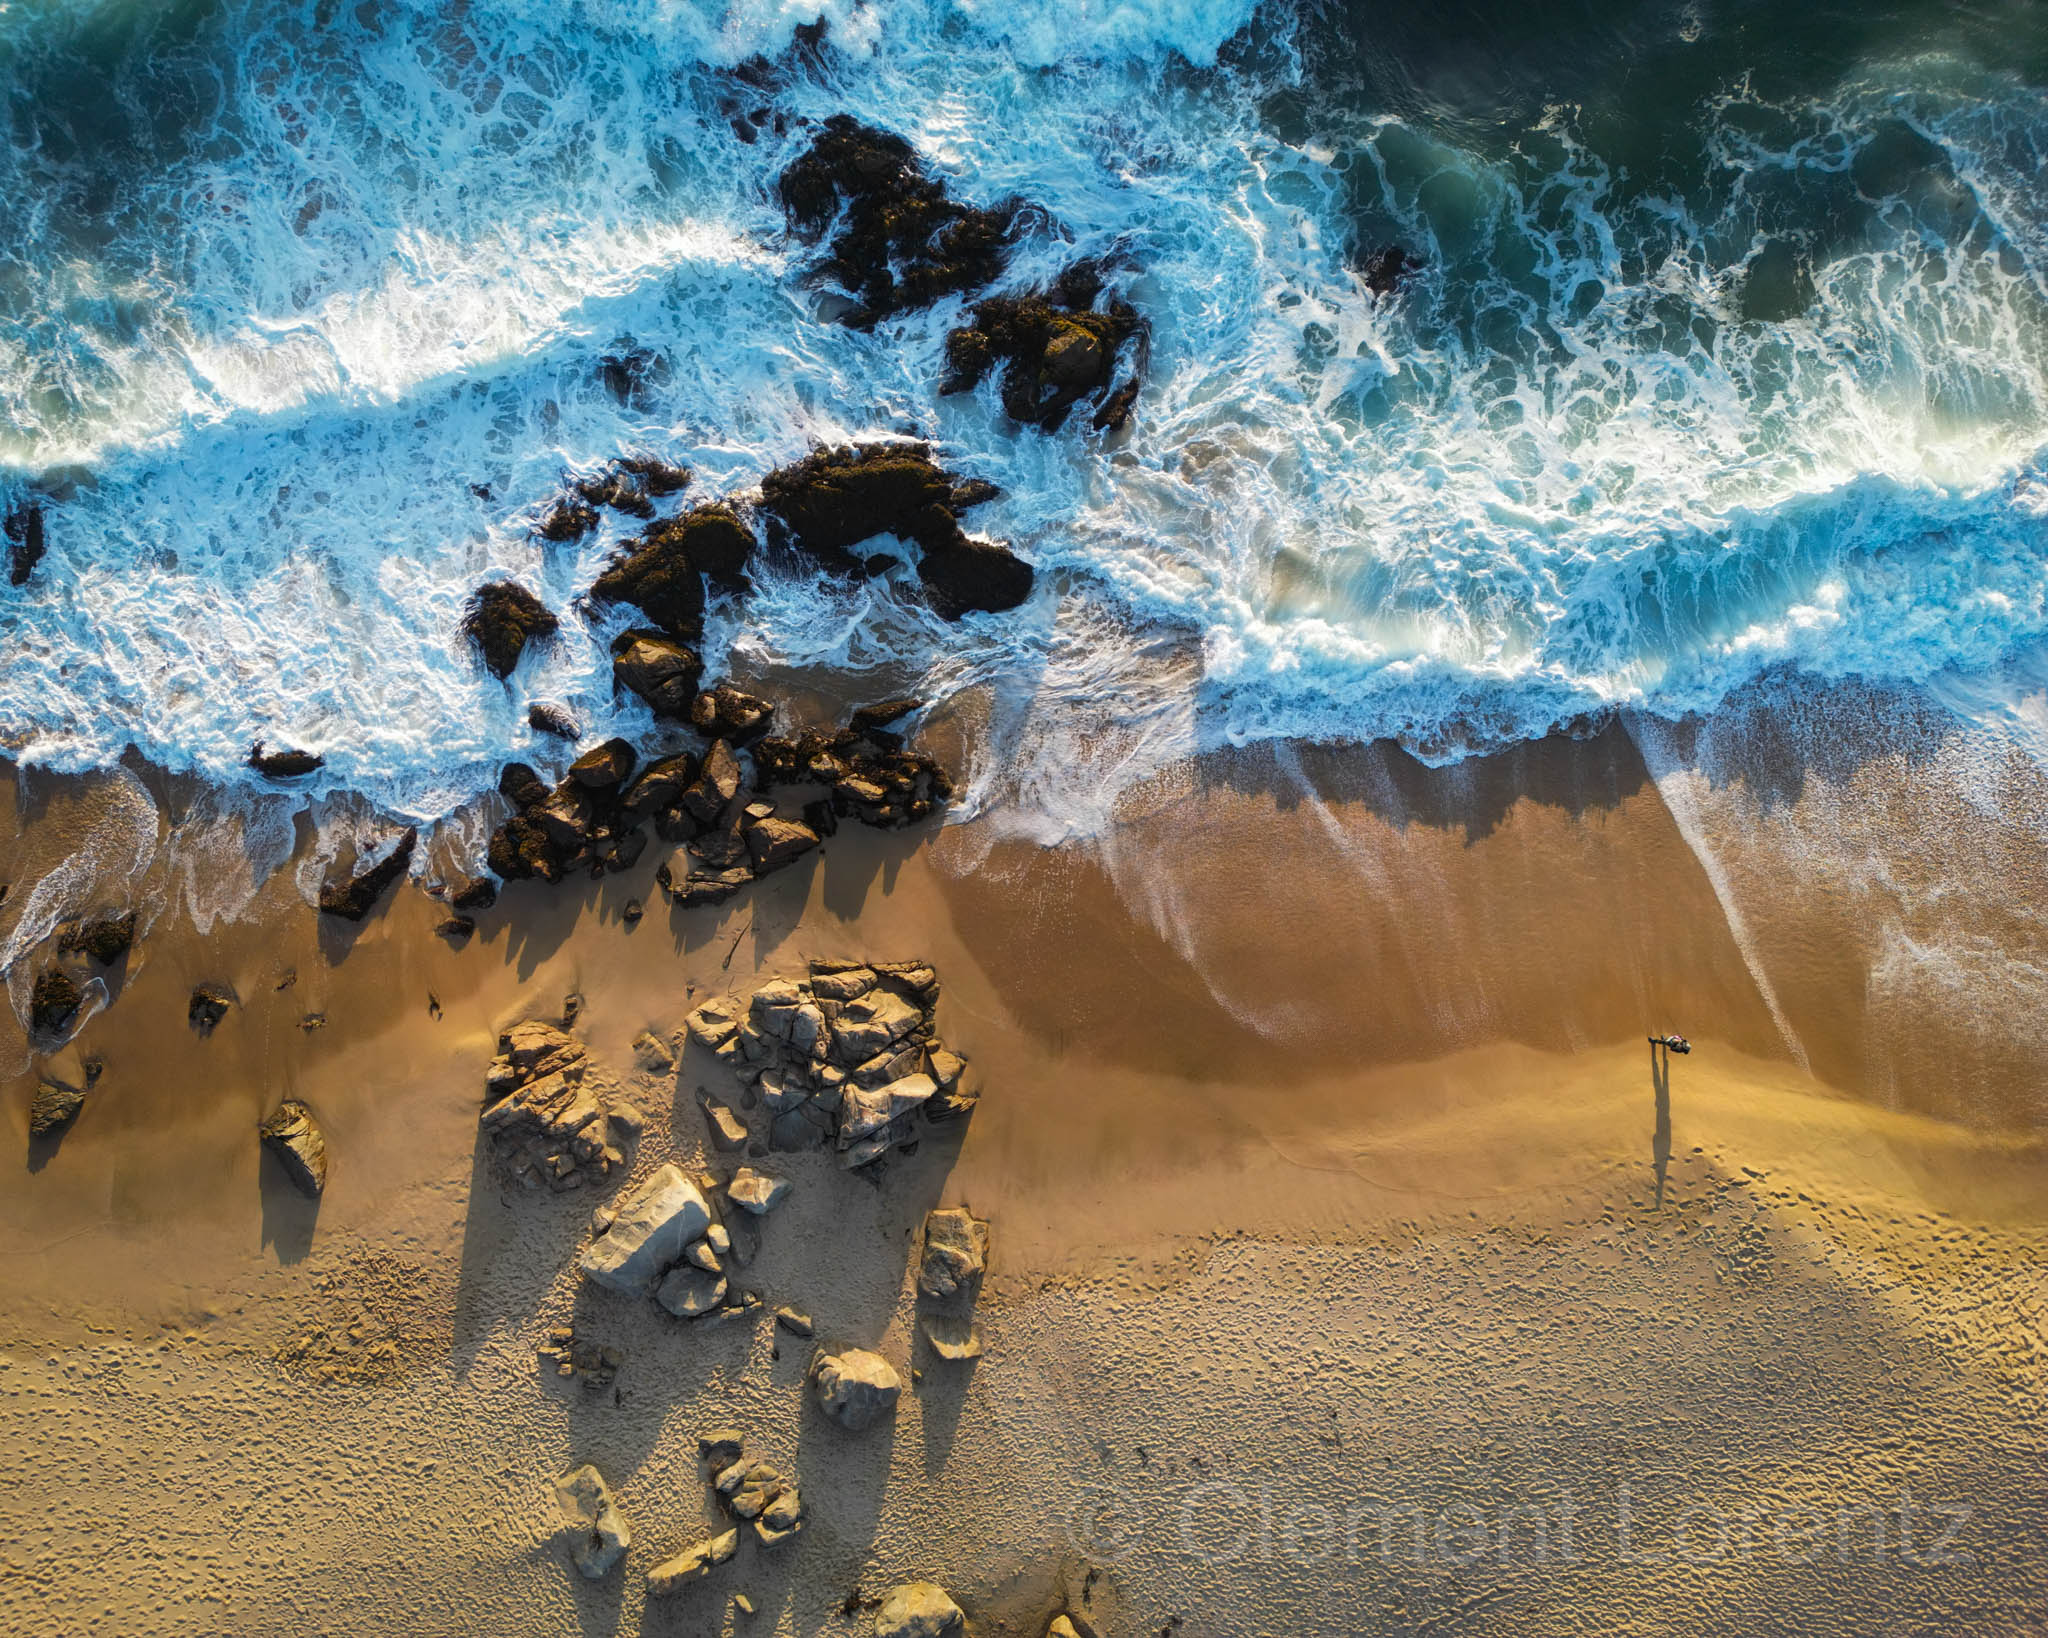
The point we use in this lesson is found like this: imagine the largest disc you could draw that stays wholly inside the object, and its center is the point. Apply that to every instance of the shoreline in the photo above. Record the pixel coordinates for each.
(1317, 1084)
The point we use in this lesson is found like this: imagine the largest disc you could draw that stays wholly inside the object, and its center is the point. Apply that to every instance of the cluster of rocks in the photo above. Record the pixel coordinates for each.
(56, 996)
(901, 240)
(1051, 349)
(954, 1259)
(595, 1364)
(898, 241)
(295, 1138)
(667, 1240)
(849, 1055)
(549, 1116)
(754, 1494)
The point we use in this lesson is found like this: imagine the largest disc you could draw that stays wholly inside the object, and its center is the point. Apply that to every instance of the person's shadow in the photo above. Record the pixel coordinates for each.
(1660, 1137)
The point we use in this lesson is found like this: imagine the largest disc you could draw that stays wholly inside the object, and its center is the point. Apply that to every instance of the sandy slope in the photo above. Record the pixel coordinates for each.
(1428, 1252)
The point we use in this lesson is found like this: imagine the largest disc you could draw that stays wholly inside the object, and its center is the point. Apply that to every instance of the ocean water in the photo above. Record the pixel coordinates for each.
(1728, 362)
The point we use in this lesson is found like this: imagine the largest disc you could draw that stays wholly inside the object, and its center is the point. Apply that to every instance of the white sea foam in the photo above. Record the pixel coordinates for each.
(1558, 474)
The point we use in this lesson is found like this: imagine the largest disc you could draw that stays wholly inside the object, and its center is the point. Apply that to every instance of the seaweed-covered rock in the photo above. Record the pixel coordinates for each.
(659, 669)
(54, 1002)
(619, 490)
(354, 898)
(568, 519)
(501, 620)
(835, 498)
(285, 764)
(105, 938)
(1051, 347)
(663, 575)
(295, 1138)
(657, 477)
(902, 241)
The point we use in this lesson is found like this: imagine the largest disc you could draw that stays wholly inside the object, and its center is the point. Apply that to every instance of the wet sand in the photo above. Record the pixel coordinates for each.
(1328, 1167)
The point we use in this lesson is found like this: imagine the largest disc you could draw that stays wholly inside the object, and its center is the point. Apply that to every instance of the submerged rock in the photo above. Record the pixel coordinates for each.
(295, 1138)
(596, 1532)
(568, 520)
(854, 1386)
(902, 241)
(501, 620)
(285, 764)
(26, 542)
(919, 1609)
(1388, 268)
(1050, 349)
(355, 898)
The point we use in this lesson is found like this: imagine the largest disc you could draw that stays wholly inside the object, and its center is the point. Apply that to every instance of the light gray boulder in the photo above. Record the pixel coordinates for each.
(649, 1232)
(692, 1564)
(757, 1192)
(597, 1533)
(854, 1386)
(919, 1609)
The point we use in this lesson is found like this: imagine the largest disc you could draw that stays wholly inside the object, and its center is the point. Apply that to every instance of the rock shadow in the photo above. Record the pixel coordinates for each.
(289, 1217)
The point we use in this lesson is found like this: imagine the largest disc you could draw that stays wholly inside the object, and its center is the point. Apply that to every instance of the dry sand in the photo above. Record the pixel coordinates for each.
(1354, 1271)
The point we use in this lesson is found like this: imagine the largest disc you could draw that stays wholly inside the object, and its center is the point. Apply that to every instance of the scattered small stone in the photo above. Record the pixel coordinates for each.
(632, 913)
(742, 1603)
(919, 1609)
(854, 1386)
(797, 1324)
(598, 1536)
(208, 1006)
(595, 1364)
(313, 1021)
(295, 1138)
(457, 930)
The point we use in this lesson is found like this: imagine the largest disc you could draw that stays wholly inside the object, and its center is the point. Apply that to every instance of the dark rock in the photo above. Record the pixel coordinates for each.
(567, 818)
(545, 717)
(881, 714)
(619, 490)
(716, 786)
(474, 893)
(502, 619)
(902, 241)
(286, 764)
(521, 786)
(626, 850)
(820, 817)
(295, 1138)
(105, 939)
(568, 520)
(1115, 413)
(632, 374)
(25, 541)
(633, 911)
(1388, 268)
(774, 843)
(208, 1006)
(663, 576)
(971, 575)
(605, 768)
(354, 898)
(660, 670)
(833, 499)
(520, 849)
(702, 887)
(457, 929)
(54, 1002)
(1051, 352)
(661, 784)
(656, 477)
(724, 712)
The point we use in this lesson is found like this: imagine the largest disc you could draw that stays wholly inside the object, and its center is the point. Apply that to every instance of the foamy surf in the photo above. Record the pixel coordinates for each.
(1614, 447)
